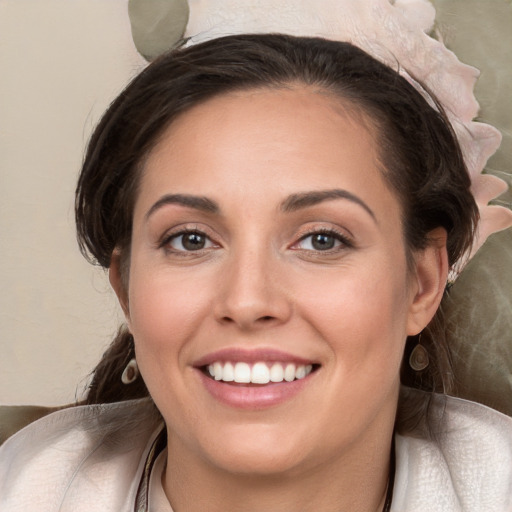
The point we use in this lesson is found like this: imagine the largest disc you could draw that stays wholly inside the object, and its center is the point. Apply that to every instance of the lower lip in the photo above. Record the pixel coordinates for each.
(253, 396)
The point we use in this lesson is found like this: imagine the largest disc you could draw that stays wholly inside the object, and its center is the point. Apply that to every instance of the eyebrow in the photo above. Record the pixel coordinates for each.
(305, 199)
(291, 204)
(197, 202)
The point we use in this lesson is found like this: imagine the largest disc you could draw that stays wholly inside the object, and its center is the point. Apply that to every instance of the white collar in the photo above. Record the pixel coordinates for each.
(93, 459)
(466, 467)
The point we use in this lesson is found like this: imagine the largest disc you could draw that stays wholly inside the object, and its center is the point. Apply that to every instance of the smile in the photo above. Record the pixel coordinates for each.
(258, 373)
(255, 379)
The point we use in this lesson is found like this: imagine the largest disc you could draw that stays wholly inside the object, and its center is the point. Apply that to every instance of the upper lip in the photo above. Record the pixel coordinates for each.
(251, 356)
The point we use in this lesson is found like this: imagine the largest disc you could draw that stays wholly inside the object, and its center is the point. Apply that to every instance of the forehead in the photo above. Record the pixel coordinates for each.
(290, 139)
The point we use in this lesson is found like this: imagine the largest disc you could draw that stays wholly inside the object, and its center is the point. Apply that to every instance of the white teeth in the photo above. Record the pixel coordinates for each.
(259, 373)
(289, 372)
(217, 371)
(242, 373)
(276, 373)
(300, 373)
(229, 373)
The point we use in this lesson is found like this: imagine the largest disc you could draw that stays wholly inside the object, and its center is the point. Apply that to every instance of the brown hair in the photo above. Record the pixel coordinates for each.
(419, 153)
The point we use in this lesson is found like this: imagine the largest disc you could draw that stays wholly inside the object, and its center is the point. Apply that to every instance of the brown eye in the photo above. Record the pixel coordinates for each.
(189, 241)
(193, 241)
(322, 242)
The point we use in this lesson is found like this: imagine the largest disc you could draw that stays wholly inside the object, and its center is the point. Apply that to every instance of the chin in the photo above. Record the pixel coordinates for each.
(258, 450)
(258, 461)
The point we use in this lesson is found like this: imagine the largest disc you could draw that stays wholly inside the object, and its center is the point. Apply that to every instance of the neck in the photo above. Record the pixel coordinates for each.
(352, 483)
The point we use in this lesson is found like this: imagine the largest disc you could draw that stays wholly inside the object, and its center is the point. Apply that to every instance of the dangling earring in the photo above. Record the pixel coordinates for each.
(419, 360)
(130, 373)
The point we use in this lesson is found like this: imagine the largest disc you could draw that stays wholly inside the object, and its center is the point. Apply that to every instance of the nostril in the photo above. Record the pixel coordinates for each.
(259, 321)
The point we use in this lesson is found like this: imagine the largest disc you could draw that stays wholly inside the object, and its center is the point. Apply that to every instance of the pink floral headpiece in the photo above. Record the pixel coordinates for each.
(395, 32)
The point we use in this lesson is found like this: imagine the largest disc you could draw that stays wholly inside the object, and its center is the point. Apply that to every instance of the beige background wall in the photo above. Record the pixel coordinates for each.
(61, 63)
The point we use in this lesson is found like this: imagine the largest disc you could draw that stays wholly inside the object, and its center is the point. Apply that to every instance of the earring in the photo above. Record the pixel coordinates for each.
(419, 360)
(130, 373)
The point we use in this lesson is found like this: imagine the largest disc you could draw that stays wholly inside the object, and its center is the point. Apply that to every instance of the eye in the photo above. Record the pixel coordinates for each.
(322, 241)
(188, 241)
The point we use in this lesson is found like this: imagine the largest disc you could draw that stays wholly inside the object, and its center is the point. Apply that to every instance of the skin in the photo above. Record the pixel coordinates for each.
(260, 283)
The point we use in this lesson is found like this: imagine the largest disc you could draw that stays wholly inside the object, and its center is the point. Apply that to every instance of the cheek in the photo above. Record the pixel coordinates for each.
(166, 310)
(362, 315)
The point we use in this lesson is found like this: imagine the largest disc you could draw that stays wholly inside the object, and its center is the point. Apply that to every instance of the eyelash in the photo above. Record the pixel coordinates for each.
(167, 240)
(344, 242)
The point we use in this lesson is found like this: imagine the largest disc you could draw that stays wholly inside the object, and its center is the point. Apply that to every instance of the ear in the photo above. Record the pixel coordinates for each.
(431, 274)
(119, 282)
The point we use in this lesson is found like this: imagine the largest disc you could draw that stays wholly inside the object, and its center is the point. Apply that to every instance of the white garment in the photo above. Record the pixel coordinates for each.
(158, 501)
(91, 459)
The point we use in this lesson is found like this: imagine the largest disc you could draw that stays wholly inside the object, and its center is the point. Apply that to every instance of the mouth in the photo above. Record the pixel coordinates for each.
(259, 373)
(255, 379)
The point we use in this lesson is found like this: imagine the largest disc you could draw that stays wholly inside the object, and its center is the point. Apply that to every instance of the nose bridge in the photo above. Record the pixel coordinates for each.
(251, 291)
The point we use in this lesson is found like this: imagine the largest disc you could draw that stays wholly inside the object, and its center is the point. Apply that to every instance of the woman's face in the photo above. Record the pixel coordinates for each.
(268, 249)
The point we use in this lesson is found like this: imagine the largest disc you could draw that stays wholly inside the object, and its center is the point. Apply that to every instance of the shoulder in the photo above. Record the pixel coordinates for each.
(466, 466)
(83, 458)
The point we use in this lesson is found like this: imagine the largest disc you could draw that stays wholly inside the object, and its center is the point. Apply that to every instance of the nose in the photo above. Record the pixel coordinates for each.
(252, 293)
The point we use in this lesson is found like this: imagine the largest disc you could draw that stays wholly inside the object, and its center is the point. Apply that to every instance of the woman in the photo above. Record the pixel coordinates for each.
(278, 216)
